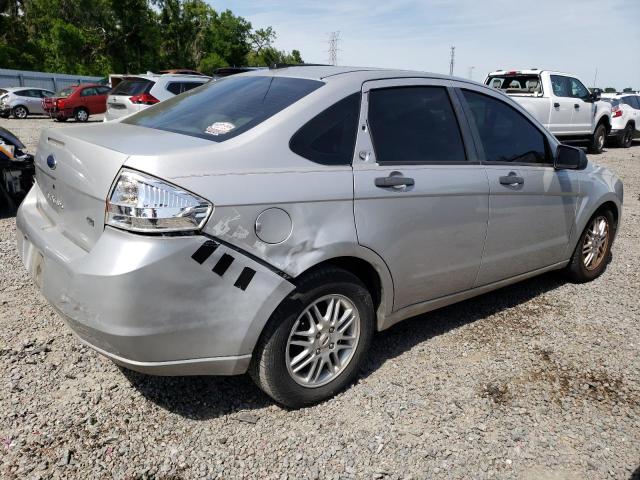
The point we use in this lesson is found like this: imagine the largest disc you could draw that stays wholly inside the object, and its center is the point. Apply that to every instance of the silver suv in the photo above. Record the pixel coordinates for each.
(271, 222)
(22, 101)
(135, 93)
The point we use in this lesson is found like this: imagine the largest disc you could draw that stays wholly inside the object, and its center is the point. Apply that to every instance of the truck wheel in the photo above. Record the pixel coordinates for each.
(81, 115)
(626, 139)
(20, 112)
(316, 340)
(593, 252)
(597, 141)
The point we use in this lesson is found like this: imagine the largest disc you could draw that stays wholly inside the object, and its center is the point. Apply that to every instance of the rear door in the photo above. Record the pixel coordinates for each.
(420, 196)
(531, 205)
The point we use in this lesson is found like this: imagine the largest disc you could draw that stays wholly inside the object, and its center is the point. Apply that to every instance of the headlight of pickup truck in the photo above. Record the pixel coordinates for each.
(142, 203)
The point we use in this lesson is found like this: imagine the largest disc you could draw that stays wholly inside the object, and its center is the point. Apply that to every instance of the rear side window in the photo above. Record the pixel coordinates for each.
(23, 93)
(180, 87)
(506, 134)
(330, 137)
(133, 86)
(632, 101)
(102, 90)
(226, 108)
(414, 125)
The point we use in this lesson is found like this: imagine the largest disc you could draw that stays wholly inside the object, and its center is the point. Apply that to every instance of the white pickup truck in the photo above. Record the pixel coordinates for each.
(560, 102)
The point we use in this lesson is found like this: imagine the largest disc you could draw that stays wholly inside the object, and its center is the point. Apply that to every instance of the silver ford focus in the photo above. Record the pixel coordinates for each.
(272, 221)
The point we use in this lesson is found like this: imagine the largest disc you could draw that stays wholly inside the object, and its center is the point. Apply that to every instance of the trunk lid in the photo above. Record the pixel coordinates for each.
(120, 106)
(76, 167)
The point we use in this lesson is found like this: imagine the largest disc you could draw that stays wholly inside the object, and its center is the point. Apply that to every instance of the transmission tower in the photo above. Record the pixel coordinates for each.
(334, 37)
(453, 59)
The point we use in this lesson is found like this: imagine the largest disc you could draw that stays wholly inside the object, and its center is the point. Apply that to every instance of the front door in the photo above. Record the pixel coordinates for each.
(531, 205)
(561, 113)
(420, 196)
(583, 107)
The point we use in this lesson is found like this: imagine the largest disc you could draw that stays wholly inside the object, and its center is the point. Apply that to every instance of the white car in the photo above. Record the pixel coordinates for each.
(137, 92)
(625, 117)
(22, 101)
(559, 101)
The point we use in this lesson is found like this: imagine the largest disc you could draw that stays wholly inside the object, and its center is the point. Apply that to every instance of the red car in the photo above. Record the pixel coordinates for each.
(77, 101)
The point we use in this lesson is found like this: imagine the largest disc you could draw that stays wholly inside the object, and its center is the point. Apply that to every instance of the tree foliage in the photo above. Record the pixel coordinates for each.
(130, 36)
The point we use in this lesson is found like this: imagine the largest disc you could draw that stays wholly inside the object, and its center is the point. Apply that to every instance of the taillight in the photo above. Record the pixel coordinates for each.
(616, 112)
(144, 99)
(60, 103)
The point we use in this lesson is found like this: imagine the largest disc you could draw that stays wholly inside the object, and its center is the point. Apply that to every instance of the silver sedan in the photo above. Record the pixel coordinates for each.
(272, 222)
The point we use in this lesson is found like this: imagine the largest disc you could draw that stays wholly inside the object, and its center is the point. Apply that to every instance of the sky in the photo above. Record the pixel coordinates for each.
(573, 36)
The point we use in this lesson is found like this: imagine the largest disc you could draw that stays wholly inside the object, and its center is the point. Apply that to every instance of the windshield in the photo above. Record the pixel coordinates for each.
(65, 92)
(225, 108)
(514, 83)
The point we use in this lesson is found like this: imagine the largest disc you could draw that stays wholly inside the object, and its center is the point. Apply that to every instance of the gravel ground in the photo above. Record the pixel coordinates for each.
(540, 380)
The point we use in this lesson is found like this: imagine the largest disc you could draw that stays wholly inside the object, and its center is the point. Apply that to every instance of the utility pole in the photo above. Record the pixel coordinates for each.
(471, 73)
(451, 63)
(334, 37)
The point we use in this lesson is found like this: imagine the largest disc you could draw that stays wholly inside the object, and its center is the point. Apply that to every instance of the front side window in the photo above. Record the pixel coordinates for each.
(330, 137)
(578, 90)
(414, 125)
(506, 134)
(226, 108)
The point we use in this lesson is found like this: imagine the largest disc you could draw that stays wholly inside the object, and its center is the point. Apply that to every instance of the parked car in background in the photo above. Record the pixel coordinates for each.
(182, 71)
(273, 221)
(77, 101)
(20, 102)
(625, 117)
(559, 101)
(228, 71)
(137, 92)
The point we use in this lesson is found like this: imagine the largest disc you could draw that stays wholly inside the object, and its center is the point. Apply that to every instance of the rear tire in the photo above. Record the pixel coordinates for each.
(593, 251)
(304, 357)
(20, 112)
(81, 115)
(597, 140)
(626, 139)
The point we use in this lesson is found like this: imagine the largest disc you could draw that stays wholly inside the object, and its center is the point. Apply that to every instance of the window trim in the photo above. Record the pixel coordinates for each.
(470, 159)
(478, 140)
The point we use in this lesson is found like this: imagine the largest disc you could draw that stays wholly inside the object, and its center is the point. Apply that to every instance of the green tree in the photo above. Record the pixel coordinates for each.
(610, 90)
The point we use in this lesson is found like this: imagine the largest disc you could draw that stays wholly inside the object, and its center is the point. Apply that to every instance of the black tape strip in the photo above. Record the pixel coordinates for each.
(205, 251)
(223, 264)
(245, 278)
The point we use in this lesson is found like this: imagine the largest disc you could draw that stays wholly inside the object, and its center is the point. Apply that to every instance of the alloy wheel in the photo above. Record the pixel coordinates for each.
(323, 341)
(596, 242)
(20, 112)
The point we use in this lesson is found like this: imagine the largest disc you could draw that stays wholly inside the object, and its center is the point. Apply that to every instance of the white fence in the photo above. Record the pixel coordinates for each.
(50, 81)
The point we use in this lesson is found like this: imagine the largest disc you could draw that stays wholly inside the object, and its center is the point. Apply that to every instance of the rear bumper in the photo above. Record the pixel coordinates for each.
(54, 112)
(145, 302)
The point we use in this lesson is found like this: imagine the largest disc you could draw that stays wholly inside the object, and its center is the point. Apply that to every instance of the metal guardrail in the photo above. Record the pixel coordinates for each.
(50, 81)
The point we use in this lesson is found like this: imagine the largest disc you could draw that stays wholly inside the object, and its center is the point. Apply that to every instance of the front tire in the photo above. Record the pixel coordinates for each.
(593, 252)
(597, 140)
(316, 340)
(20, 112)
(626, 139)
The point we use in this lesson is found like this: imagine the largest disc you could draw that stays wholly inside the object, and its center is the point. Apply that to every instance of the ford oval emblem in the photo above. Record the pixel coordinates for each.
(51, 162)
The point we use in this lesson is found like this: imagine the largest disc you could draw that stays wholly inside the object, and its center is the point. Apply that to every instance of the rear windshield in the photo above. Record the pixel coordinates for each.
(65, 92)
(613, 101)
(513, 83)
(133, 86)
(225, 108)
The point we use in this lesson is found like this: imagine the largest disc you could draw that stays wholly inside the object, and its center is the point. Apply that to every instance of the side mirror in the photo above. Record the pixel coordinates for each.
(596, 94)
(569, 158)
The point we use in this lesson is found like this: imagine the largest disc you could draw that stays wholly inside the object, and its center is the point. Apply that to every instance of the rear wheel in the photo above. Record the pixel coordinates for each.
(593, 252)
(20, 112)
(626, 139)
(81, 115)
(597, 141)
(316, 340)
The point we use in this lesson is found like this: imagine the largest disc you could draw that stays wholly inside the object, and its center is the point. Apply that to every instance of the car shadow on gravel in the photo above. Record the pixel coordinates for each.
(201, 398)
(407, 334)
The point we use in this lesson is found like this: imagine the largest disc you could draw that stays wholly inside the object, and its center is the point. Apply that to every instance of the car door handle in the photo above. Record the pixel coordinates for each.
(394, 181)
(511, 180)
(576, 106)
(556, 105)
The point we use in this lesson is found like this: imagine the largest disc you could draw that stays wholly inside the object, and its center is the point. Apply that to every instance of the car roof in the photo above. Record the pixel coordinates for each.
(17, 89)
(328, 73)
(156, 76)
(530, 71)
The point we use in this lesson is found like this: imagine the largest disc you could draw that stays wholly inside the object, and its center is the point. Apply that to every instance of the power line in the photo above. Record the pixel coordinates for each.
(452, 62)
(334, 37)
